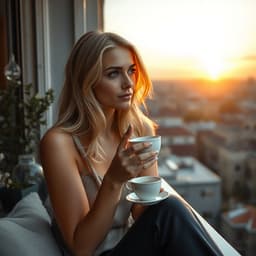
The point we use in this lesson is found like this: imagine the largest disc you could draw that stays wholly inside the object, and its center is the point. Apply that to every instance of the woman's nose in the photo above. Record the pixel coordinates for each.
(127, 81)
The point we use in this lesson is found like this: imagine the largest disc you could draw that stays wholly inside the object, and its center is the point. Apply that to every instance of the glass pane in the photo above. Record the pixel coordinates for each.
(201, 56)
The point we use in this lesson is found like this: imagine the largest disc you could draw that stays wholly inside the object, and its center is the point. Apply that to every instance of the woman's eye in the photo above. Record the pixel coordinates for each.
(132, 71)
(113, 74)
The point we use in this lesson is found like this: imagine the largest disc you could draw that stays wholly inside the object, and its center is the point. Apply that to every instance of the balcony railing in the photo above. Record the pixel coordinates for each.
(223, 245)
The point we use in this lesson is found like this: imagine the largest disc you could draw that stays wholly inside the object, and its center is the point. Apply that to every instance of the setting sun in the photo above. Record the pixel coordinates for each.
(213, 67)
(214, 70)
(190, 38)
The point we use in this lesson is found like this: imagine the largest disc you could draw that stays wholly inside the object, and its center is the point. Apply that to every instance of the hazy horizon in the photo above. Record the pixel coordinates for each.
(189, 38)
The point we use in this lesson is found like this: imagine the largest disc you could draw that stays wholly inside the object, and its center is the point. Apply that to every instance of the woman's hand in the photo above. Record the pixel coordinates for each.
(130, 160)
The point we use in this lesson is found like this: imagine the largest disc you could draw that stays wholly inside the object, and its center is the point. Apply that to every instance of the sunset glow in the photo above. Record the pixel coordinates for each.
(189, 38)
(213, 66)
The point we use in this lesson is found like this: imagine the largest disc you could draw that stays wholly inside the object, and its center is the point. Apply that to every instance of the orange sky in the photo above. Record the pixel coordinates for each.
(189, 38)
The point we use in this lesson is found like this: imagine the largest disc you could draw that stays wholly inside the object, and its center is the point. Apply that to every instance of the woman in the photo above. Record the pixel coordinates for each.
(87, 159)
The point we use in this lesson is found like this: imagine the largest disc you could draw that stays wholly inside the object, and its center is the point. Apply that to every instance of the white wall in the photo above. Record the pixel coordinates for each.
(58, 25)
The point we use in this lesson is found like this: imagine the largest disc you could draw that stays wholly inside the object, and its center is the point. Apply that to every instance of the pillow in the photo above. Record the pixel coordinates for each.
(26, 230)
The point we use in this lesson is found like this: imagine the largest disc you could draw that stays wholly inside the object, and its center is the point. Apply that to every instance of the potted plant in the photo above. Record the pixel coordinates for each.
(22, 113)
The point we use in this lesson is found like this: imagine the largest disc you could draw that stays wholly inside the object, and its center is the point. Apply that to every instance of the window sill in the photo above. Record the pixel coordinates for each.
(224, 246)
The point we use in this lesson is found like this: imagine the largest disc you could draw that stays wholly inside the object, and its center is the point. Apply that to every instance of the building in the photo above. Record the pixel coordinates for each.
(238, 226)
(195, 183)
(250, 177)
(179, 140)
(227, 150)
(176, 138)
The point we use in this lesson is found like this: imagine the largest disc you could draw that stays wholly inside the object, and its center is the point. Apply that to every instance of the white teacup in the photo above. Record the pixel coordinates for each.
(145, 187)
(154, 140)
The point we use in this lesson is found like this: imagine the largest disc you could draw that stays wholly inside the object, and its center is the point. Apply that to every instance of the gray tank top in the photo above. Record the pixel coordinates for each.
(122, 219)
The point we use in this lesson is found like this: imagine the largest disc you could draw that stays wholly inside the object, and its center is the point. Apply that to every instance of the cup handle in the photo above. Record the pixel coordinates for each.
(128, 186)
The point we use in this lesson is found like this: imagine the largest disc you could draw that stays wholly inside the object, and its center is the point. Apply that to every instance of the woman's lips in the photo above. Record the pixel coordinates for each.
(126, 96)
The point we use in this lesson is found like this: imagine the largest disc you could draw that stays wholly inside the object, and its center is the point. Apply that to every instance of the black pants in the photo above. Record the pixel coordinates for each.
(167, 228)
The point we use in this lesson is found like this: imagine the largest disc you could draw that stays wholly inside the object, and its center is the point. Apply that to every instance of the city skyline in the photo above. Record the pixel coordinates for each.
(189, 38)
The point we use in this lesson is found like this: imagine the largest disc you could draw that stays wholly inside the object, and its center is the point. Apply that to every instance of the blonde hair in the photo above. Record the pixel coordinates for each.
(79, 111)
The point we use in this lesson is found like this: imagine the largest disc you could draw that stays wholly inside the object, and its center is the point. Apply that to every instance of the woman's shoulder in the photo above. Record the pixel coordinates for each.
(56, 136)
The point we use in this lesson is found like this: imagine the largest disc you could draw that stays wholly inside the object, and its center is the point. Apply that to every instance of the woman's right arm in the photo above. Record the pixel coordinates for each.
(82, 228)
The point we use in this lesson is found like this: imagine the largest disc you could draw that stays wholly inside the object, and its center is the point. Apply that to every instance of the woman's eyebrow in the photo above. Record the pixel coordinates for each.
(119, 67)
(133, 66)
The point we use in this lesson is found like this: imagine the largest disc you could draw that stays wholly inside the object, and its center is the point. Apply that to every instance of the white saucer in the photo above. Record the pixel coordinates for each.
(132, 197)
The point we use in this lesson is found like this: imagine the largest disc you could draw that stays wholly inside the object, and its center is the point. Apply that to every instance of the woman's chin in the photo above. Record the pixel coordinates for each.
(124, 106)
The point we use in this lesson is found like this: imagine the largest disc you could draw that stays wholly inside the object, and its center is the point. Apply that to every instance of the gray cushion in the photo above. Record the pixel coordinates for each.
(27, 231)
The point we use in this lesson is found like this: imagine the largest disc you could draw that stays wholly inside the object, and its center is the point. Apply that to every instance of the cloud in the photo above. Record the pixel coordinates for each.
(248, 58)
(244, 58)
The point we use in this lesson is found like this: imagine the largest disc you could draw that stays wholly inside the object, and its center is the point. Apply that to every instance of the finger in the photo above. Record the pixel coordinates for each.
(147, 156)
(135, 169)
(140, 163)
(143, 146)
(148, 164)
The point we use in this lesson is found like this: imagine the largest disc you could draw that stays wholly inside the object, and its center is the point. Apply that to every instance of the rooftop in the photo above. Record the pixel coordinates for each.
(166, 112)
(187, 170)
(184, 149)
(174, 131)
(245, 215)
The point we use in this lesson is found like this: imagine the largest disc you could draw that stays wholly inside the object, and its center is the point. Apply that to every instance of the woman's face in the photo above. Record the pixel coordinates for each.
(116, 86)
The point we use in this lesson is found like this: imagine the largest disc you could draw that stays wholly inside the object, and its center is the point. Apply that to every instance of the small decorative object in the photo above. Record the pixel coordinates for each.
(27, 172)
(12, 70)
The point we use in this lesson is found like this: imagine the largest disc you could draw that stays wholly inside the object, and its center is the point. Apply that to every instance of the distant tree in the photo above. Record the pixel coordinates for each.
(193, 116)
(229, 107)
(199, 115)
(241, 191)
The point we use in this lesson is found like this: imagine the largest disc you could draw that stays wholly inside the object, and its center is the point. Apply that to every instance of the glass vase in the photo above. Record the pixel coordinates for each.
(27, 172)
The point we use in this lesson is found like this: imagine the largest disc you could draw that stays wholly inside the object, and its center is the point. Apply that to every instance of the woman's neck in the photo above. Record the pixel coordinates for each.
(111, 124)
